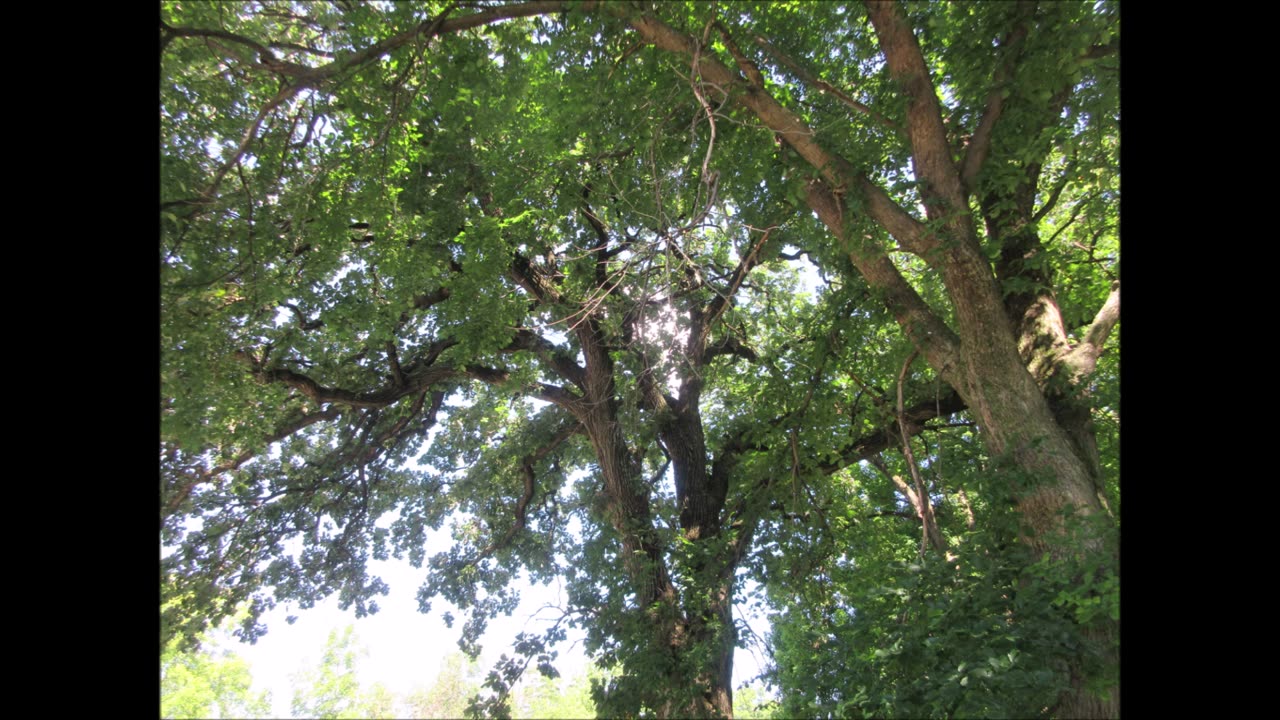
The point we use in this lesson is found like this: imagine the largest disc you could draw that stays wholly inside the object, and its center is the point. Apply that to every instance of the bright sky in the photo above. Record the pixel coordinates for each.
(405, 648)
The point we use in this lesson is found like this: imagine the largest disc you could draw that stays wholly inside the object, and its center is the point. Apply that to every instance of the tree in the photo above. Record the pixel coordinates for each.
(331, 688)
(555, 252)
(749, 704)
(211, 682)
(556, 697)
(457, 682)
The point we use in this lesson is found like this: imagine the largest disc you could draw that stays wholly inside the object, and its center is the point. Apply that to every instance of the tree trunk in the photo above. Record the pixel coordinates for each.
(698, 627)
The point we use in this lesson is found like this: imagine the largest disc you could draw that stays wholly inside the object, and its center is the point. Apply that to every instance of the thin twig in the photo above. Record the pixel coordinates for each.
(930, 535)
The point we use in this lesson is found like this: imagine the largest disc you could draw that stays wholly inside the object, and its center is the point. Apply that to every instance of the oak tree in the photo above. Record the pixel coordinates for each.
(653, 298)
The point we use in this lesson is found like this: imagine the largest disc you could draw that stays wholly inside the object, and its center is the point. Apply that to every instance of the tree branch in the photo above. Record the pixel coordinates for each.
(309, 78)
(730, 345)
(931, 535)
(417, 381)
(929, 332)
(283, 431)
(822, 85)
(557, 358)
(567, 429)
(263, 52)
(1054, 194)
(1083, 358)
(923, 326)
(877, 441)
(913, 235)
(721, 302)
(980, 144)
(745, 64)
(930, 152)
(554, 394)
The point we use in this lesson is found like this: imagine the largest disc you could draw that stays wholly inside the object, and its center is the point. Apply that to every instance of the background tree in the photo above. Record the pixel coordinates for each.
(211, 682)
(389, 235)
(749, 703)
(564, 697)
(332, 688)
(458, 681)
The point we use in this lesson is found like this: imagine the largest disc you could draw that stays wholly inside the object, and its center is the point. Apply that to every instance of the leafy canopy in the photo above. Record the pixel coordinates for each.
(630, 297)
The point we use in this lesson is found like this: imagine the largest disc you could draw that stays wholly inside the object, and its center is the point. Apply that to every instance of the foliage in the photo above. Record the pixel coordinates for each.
(211, 682)
(332, 689)
(565, 697)
(750, 703)
(456, 683)
(459, 680)
(972, 636)
(650, 300)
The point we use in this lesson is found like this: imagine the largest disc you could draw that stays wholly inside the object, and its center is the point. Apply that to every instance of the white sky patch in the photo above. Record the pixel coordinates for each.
(406, 649)
(810, 279)
(666, 332)
(283, 315)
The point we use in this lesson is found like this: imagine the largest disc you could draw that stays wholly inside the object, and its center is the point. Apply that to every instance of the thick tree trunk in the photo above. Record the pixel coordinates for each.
(992, 373)
(707, 691)
(1019, 422)
(682, 630)
(693, 630)
(709, 606)
(722, 639)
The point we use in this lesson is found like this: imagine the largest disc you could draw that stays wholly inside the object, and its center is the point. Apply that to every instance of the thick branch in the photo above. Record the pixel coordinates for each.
(925, 329)
(911, 234)
(777, 118)
(745, 64)
(262, 50)
(730, 345)
(930, 153)
(889, 436)
(417, 381)
(533, 280)
(861, 448)
(553, 394)
(1084, 357)
(557, 358)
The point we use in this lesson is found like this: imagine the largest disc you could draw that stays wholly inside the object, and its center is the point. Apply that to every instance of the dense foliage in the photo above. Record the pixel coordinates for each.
(651, 299)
